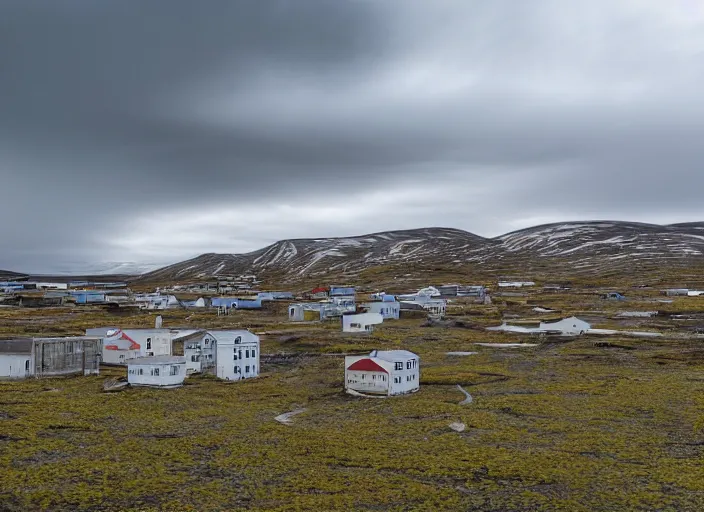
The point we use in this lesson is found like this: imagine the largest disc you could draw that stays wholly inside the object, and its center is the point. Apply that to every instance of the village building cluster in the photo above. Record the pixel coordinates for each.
(164, 357)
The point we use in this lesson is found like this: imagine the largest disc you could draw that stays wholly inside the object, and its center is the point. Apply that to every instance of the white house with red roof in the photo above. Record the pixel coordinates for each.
(387, 372)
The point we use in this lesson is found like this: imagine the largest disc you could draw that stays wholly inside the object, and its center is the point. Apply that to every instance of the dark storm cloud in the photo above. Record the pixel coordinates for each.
(122, 122)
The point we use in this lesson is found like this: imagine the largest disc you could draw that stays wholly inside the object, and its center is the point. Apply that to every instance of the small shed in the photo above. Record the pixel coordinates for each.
(157, 371)
(305, 312)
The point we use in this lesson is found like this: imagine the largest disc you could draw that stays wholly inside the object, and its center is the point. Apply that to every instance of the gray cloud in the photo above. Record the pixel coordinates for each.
(157, 130)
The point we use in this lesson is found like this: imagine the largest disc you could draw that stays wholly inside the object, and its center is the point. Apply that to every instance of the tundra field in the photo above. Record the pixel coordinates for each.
(586, 423)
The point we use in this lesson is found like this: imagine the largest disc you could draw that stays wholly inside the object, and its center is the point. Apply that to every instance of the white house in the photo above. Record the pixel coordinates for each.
(362, 322)
(157, 371)
(392, 372)
(118, 347)
(427, 292)
(388, 310)
(156, 301)
(567, 326)
(571, 326)
(515, 284)
(237, 354)
(435, 307)
(51, 286)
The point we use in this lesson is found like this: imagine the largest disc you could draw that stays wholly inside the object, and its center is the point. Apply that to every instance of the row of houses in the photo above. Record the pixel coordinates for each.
(234, 355)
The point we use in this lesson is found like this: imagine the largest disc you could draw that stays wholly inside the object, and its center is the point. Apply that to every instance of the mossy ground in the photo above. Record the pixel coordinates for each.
(562, 426)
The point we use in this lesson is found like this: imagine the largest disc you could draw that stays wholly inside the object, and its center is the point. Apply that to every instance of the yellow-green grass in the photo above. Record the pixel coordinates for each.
(567, 426)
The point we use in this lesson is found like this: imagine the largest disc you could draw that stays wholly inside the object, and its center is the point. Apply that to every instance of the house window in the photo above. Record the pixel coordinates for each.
(149, 343)
(398, 365)
(174, 370)
(122, 356)
(355, 325)
(155, 372)
(246, 369)
(253, 353)
(235, 355)
(408, 365)
(397, 380)
(238, 339)
(246, 353)
(141, 371)
(240, 356)
(207, 342)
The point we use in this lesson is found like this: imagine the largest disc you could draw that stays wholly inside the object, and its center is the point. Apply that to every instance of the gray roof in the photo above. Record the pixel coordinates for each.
(156, 360)
(393, 355)
(16, 346)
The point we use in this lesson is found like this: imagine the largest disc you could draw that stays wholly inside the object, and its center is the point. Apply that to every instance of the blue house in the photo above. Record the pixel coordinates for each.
(88, 297)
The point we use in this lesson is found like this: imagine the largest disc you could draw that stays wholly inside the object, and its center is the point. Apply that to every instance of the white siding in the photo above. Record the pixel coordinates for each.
(157, 375)
(388, 310)
(14, 366)
(237, 355)
(403, 374)
(367, 382)
(363, 322)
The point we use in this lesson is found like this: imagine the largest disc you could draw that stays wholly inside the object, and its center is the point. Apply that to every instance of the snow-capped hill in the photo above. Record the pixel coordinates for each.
(319, 256)
(597, 239)
(576, 246)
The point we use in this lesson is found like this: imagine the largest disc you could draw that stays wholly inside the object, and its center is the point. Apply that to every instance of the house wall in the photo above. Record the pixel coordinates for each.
(367, 382)
(406, 380)
(199, 354)
(295, 313)
(363, 322)
(158, 339)
(239, 360)
(388, 310)
(66, 356)
(13, 366)
(144, 374)
(119, 356)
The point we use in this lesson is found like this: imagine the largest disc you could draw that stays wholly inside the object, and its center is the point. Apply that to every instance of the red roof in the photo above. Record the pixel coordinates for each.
(319, 290)
(133, 344)
(366, 365)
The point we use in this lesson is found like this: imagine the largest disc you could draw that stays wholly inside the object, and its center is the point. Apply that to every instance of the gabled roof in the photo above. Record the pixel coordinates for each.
(366, 365)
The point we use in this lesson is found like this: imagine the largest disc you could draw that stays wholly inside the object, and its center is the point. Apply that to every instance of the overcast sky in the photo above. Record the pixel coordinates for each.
(152, 131)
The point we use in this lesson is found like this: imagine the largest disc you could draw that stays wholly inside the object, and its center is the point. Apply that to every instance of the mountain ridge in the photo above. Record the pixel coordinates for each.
(582, 246)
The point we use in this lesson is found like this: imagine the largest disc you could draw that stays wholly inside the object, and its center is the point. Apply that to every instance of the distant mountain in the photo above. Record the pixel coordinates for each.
(292, 259)
(579, 247)
(6, 275)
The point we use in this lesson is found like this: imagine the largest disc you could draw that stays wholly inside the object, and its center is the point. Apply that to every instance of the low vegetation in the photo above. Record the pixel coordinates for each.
(582, 425)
